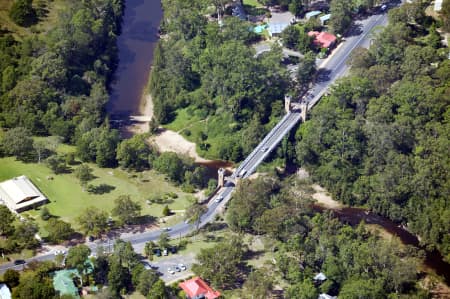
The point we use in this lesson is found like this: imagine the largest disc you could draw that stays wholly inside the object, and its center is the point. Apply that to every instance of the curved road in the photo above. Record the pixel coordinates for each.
(332, 68)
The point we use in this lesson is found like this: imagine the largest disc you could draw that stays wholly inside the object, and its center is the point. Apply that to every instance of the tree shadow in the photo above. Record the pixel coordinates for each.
(100, 189)
(354, 30)
(323, 75)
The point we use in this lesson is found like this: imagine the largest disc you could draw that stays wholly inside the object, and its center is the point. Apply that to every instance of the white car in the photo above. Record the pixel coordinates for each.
(219, 198)
(264, 149)
(182, 267)
(170, 270)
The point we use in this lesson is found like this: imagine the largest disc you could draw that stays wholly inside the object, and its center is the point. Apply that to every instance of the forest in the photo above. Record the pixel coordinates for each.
(381, 138)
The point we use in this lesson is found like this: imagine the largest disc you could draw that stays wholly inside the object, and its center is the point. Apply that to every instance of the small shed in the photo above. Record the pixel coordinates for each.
(325, 19)
(312, 14)
(275, 29)
(5, 292)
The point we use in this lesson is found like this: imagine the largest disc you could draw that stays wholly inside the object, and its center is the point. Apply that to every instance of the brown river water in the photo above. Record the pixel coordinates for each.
(136, 44)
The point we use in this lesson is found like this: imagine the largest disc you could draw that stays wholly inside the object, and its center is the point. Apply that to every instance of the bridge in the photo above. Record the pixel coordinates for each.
(330, 70)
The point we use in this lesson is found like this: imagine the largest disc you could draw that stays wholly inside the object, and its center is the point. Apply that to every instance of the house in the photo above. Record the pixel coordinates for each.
(324, 19)
(19, 194)
(275, 29)
(438, 5)
(197, 288)
(312, 14)
(324, 40)
(5, 293)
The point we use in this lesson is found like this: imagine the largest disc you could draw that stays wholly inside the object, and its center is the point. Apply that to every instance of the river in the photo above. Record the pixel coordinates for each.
(136, 44)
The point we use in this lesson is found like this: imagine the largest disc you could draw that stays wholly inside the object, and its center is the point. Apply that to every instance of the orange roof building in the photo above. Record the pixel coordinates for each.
(198, 288)
(323, 39)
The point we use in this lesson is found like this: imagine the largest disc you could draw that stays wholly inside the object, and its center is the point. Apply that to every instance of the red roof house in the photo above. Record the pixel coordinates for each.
(323, 39)
(198, 288)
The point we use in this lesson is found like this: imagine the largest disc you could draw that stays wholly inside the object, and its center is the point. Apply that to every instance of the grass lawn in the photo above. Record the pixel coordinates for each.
(254, 3)
(68, 200)
(53, 8)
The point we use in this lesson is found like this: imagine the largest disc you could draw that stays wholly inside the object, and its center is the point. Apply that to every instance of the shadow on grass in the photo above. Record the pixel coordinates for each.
(100, 189)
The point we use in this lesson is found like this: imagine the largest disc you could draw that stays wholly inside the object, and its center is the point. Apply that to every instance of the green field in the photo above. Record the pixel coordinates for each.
(68, 200)
(254, 3)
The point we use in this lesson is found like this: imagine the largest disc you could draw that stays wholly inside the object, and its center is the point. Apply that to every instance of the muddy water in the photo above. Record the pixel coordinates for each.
(136, 44)
(353, 216)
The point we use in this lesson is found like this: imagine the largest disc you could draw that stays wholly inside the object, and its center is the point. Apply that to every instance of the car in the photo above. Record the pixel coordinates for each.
(165, 252)
(383, 7)
(170, 271)
(219, 198)
(173, 249)
(264, 149)
(157, 252)
(19, 262)
(58, 252)
(167, 229)
(182, 267)
(242, 172)
(177, 269)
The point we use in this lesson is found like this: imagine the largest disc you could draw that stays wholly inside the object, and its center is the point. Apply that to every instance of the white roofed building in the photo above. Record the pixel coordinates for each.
(19, 194)
(5, 293)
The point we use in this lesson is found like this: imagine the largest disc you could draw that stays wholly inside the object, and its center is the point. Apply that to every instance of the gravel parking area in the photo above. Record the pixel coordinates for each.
(163, 263)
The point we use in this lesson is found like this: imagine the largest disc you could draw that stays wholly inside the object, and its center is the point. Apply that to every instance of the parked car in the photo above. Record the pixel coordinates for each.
(157, 252)
(165, 252)
(173, 249)
(182, 267)
(19, 262)
(170, 271)
(177, 269)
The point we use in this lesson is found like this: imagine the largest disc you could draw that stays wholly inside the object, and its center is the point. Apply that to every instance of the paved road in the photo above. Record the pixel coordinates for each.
(330, 70)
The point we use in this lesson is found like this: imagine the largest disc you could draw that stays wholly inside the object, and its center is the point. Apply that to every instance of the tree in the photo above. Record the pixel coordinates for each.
(59, 230)
(118, 276)
(158, 290)
(6, 225)
(194, 213)
(133, 153)
(45, 214)
(148, 249)
(303, 290)
(22, 13)
(147, 279)
(170, 164)
(221, 264)
(77, 258)
(84, 174)
(445, 12)
(340, 15)
(18, 142)
(34, 286)
(24, 235)
(166, 211)
(258, 284)
(306, 70)
(40, 147)
(126, 210)
(57, 164)
(163, 241)
(11, 278)
(93, 221)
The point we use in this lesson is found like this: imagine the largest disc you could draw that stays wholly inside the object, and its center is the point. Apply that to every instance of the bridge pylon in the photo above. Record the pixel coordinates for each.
(303, 111)
(220, 177)
(287, 103)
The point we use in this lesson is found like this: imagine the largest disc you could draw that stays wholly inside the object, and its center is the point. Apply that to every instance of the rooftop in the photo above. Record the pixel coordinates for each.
(325, 18)
(196, 287)
(277, 28)
(63, 282)
(313, 13)
(19, 193)
(323, 39)
(5, 293)
(438, 5)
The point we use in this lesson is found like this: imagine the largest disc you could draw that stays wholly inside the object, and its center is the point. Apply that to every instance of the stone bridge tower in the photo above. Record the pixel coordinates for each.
(303, 111)
(220, 177)
(287, 103)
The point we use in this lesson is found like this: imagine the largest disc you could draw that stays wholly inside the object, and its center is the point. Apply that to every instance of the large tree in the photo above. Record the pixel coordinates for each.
(93, 221)
(126, 209)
